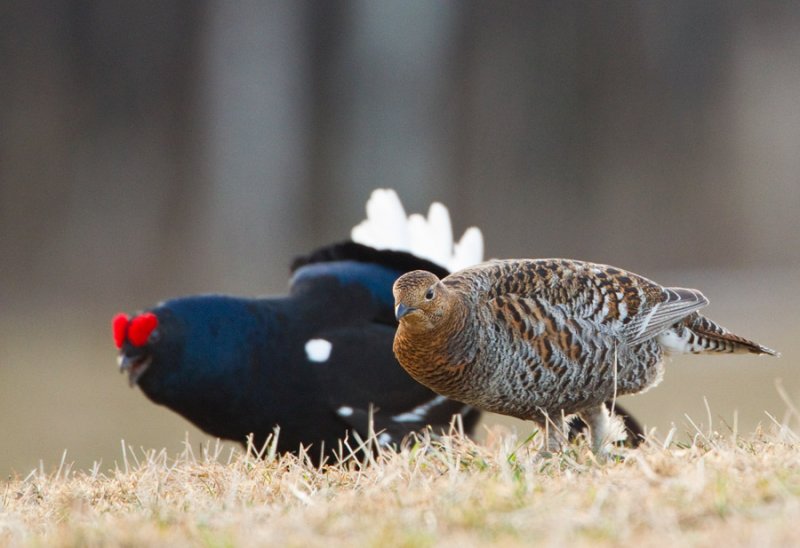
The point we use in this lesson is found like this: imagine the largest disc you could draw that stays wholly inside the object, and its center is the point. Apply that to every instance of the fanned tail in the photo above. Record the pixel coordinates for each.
(431, 237)
(697, 334)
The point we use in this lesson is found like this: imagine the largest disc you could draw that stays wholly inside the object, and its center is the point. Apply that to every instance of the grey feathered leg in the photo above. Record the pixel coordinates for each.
(604, 428)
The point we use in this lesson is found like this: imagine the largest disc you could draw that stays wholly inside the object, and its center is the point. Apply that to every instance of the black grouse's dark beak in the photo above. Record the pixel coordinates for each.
(401, 310)
(135, 366)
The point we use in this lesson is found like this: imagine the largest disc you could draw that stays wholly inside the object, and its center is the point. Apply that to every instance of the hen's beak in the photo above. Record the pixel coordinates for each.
(401, 310)
(134, 365)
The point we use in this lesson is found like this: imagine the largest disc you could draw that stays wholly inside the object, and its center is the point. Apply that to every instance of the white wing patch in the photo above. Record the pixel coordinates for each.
(318, 350)
(344, 411)
(388, 227)
(418, 414)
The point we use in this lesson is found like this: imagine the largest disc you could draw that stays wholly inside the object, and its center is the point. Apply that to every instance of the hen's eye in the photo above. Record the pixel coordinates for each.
(429, 295)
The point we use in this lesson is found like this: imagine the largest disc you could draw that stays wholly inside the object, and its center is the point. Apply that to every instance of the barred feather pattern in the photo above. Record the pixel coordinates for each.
(550, 336)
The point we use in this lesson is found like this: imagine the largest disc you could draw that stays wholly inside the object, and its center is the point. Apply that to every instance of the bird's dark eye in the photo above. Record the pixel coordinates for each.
(429, 295)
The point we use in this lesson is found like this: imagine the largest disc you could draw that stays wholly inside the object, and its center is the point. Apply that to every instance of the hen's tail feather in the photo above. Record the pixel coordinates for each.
(697, 334)
(719, 339)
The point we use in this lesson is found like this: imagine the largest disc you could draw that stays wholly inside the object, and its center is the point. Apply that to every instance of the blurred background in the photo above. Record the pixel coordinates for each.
(156, 149)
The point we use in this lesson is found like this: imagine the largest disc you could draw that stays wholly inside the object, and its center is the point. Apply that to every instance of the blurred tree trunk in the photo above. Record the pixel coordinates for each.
(255, 112)
(153, 149)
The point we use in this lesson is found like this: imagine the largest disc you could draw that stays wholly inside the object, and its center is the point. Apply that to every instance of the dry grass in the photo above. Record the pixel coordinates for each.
(451, 492)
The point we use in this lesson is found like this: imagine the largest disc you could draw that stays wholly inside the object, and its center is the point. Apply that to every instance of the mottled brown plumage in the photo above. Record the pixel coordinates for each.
(550, 337)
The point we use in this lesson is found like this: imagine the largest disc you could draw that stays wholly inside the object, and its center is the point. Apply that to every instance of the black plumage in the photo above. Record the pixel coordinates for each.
(235, 366)
(311, 362)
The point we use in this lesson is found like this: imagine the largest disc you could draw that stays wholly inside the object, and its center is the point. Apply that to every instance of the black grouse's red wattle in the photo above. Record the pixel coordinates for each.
(312, 362)
(136, 330)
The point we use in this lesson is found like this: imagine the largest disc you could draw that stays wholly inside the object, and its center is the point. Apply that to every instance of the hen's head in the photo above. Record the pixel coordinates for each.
(421, 300)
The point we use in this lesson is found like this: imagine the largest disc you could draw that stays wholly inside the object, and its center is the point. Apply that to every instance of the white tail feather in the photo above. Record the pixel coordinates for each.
(387, 227)
(385, 214)
(468, 251)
